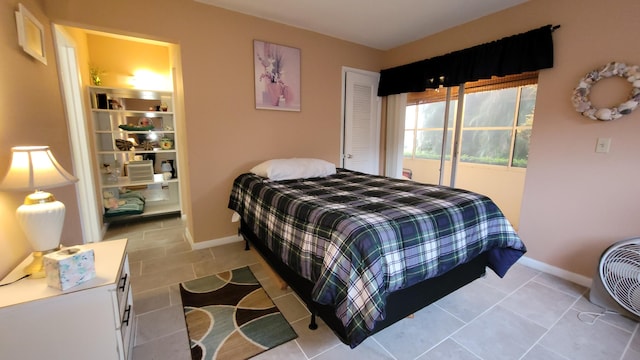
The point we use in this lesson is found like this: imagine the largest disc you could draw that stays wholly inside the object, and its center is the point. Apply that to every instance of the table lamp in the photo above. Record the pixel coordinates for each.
(41, 217)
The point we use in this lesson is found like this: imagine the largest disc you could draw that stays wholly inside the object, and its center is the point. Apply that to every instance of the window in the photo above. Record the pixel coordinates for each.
(423, 127)
(496, 121)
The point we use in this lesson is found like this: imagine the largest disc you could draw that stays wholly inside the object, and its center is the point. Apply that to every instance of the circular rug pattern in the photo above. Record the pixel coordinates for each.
(230, 316)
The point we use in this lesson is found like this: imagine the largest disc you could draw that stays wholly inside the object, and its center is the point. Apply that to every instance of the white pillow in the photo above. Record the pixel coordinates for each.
(295, 168)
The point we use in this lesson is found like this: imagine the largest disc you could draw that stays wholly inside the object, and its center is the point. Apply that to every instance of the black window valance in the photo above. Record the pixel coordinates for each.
(529, 51)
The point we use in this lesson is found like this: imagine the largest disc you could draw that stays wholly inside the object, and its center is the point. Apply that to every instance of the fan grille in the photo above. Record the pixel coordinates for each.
(620, 274)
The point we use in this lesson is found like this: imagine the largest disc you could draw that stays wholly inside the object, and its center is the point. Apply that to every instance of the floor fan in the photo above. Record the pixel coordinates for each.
(616, 285)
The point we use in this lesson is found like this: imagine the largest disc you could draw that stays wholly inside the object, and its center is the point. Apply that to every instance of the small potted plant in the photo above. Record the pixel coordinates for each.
(166, 143)
(95, 73)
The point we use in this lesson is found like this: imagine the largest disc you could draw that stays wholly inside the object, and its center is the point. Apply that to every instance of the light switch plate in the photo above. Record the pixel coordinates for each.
(603, 145)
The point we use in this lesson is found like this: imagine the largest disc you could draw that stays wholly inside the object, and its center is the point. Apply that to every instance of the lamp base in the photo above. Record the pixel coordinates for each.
(36, 268)
(41, 218)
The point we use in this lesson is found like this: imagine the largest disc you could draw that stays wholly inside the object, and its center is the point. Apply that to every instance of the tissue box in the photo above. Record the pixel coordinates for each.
(69, 267)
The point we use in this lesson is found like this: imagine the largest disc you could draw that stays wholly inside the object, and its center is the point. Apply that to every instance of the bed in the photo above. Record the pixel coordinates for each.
(365, 251)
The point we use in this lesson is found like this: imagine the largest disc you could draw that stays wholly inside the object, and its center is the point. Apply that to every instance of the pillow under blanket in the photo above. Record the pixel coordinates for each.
(294, 168)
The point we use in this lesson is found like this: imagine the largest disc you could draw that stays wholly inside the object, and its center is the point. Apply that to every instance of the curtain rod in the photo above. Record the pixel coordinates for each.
(555, 27)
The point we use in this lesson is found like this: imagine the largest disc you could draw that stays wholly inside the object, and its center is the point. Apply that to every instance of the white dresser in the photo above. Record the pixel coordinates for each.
(94, 320)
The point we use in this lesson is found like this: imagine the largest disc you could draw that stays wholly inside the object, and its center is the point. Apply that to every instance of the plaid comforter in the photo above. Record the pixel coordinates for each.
(359, 237)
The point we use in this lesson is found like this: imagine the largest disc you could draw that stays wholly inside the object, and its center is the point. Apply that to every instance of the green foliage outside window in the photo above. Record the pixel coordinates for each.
(490, 119)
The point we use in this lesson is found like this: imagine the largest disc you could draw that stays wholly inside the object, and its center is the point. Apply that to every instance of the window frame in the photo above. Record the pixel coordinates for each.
(495, 83)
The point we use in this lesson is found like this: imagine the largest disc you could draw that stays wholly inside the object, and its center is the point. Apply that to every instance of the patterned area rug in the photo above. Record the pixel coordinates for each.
(230, 316)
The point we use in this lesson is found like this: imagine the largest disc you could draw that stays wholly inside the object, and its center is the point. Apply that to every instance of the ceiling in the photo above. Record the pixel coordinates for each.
(388, 24)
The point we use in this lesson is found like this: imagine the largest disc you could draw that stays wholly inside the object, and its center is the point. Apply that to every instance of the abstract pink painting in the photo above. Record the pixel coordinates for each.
(277, 76)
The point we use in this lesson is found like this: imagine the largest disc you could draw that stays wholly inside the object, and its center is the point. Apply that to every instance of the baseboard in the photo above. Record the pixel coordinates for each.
(556, 271)
(213, 242)
(188, 236)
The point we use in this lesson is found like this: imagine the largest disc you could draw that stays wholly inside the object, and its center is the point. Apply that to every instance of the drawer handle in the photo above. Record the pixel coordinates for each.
(124, 282)
(127, 315)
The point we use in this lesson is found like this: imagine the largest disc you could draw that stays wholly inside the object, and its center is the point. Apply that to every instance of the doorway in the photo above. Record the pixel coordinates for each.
(126, 59)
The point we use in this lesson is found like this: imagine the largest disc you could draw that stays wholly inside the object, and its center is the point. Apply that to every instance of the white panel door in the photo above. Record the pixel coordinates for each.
(361, 142)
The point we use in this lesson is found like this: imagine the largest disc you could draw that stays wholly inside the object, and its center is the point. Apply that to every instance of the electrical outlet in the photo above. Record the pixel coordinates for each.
(603, 145)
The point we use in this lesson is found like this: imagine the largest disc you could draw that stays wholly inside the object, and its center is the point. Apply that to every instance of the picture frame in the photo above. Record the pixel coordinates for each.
(30, 34)
(276, 76)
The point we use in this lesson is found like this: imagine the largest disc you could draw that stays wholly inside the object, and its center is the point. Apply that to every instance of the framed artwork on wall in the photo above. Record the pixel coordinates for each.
(277, 76)
(30, 34)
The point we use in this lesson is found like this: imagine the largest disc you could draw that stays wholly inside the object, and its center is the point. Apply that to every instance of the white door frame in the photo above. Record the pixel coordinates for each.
(345, 70)
(70, 83)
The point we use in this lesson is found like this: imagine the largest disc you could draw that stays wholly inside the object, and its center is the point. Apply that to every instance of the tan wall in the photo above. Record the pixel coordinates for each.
(226, 135)
(31, 113)
(503, 185)
(576, 202)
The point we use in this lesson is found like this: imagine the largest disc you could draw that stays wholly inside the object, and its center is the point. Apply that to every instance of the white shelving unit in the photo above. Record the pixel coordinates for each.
(130, 126)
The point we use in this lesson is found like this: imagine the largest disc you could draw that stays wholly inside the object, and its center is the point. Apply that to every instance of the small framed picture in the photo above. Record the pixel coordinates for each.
(277, 76)
(30, 34)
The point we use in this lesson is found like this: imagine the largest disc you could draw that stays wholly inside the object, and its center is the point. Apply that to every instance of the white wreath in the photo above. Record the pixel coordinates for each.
(580, 97)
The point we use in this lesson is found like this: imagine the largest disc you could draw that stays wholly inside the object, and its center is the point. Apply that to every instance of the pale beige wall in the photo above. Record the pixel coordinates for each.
(226, 135)
(576, 202)
(503, 185)
(31, 113)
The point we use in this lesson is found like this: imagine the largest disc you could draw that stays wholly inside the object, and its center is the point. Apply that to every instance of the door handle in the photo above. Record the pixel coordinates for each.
(124, 282)
(349, 156)
(127, 315)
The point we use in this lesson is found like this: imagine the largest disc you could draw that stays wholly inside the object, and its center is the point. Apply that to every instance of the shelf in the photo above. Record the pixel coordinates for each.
(135, 131)
(150, 211)
(123, 181)
(136, 93)
(154, 151)
(118, 114)
(149, 113)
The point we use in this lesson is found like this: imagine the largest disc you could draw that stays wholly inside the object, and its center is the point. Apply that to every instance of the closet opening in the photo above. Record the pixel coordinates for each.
(125, 125)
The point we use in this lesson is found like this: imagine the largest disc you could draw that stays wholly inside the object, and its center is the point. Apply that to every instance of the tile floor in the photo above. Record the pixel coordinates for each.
(527, 315)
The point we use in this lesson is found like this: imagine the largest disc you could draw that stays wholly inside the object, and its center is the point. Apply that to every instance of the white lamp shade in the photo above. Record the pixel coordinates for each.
(34, 167)
(41, 217)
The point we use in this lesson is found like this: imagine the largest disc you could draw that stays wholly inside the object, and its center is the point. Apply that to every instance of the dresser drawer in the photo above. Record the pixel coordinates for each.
(123, 287)
(127, 327)
(80, 323)
(124, 316)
